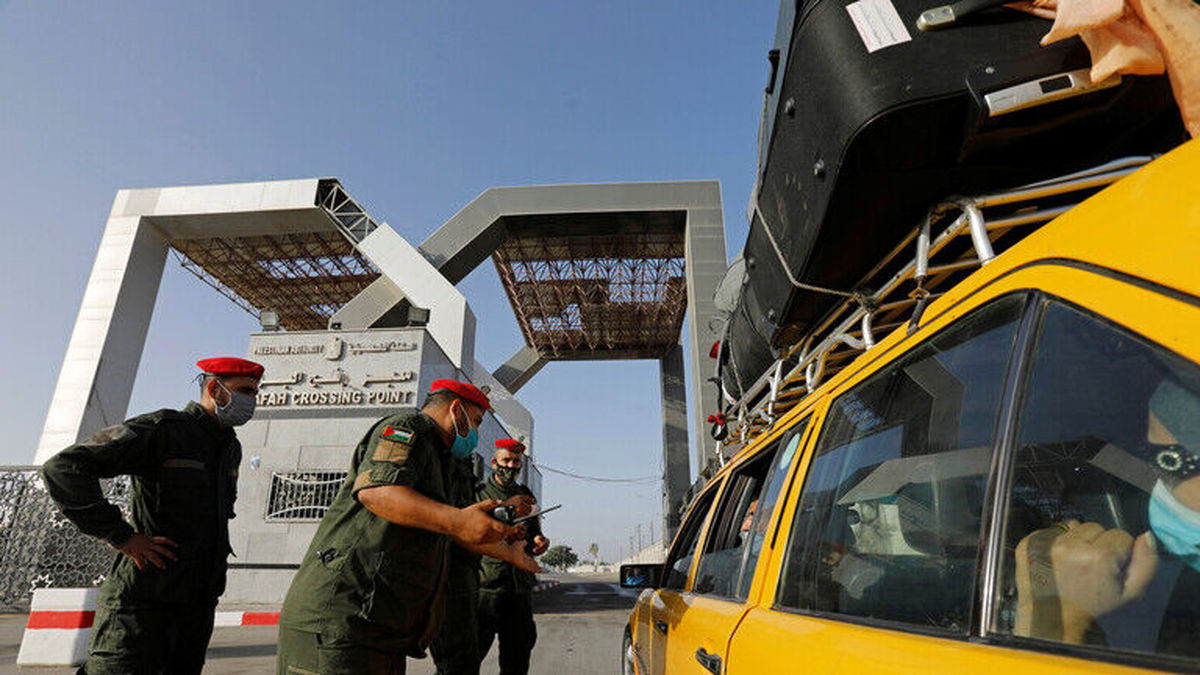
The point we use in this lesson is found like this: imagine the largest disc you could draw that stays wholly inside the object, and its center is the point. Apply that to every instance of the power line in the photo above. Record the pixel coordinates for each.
(600, 479)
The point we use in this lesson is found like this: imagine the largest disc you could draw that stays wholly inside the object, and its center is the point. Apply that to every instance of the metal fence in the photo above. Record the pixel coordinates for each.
(303, 495)
(39, 548)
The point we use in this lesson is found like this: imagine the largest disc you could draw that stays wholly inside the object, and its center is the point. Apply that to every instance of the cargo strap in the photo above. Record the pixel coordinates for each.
(788, 270)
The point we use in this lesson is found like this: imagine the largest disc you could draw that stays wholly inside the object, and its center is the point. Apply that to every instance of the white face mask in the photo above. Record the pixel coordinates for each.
(238, 410)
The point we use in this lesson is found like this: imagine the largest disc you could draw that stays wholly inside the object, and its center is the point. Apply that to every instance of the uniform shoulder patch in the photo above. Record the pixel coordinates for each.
(391, 451)
(396, 434)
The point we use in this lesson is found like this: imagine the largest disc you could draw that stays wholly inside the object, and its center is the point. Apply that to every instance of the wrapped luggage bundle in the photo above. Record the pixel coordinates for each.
(873, 121)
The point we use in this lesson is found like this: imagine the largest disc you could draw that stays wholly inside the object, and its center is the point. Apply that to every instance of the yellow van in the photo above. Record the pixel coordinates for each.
(1009, 482)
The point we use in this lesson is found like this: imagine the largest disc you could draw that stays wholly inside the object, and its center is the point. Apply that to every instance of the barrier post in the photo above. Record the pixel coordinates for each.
(59, 626)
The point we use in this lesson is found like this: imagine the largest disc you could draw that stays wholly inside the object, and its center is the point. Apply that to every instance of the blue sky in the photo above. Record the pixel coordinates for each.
(417, 107)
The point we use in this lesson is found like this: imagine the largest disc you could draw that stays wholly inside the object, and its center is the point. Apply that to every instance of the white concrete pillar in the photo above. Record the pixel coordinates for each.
(705, 254)
(106, 346)
(451, 321)
(514, 417)
(676, 476)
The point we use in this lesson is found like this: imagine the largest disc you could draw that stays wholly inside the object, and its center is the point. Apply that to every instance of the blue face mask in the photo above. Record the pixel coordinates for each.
(1175, 525)
(464, 445)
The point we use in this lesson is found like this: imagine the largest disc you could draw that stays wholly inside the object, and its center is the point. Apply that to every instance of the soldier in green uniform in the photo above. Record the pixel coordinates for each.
(370, 590)
(455, 649)
(155, 610)
(505, 605)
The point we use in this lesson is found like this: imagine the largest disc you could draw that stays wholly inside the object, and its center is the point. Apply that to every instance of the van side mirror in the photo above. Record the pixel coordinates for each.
(641, 575)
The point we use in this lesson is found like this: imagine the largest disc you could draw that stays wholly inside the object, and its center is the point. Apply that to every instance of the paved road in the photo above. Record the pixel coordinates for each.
(579, 631)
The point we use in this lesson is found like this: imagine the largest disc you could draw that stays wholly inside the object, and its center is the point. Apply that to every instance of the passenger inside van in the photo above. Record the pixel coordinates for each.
(888, 525)
(721, 565)
(1125, 587)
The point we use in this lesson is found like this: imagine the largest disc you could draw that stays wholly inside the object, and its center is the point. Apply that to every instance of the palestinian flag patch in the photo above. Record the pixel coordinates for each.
(391, 433)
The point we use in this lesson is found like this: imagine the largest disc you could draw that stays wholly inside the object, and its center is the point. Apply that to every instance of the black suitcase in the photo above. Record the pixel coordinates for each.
(863, 144)
(745, 348)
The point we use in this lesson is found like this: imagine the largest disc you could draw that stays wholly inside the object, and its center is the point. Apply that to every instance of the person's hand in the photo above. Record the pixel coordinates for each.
(142, 549)
(521, 505)
(1072, 573)
(540, 544)
(517, 534)
(515, 554)
(1099, 570)
(524, 561)
(1039, 613)
(475, 524)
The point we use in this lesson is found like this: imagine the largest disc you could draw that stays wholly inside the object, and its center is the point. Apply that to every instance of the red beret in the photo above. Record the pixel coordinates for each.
(464, 389)
(510, 444)
(230, 366)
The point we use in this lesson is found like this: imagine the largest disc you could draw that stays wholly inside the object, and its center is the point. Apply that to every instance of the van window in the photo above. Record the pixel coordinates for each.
(680, 561)
(737, 531)
(888, 524)
(1104, 503)
(780, 470)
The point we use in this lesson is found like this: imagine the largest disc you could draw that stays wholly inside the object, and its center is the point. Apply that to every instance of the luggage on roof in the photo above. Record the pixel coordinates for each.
(860, 144)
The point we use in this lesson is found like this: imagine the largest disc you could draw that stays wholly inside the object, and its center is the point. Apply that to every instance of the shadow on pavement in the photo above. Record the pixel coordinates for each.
(241, 651)
(581, 598)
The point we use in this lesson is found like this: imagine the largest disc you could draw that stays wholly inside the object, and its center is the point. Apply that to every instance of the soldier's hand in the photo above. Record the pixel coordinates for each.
(475, 524)
(515, 554)
(143, 549)
(521, 504)
(540, 544)
(517, 534)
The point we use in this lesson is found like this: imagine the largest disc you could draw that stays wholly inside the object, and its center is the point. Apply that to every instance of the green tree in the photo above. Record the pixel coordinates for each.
(560, 557)
(594, 551)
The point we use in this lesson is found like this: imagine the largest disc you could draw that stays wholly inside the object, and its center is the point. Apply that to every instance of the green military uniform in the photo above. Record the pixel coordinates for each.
(505, 605)
(368, 592)
(184, 469)
(455, 650)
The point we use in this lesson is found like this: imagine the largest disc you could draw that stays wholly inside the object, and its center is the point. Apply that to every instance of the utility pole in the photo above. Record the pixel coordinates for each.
(638, 529)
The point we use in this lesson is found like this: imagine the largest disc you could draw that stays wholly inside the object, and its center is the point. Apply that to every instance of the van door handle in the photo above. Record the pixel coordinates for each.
(660, 626)
(711, 662)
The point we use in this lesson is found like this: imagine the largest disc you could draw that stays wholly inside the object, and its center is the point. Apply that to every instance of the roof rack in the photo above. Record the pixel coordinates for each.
(970, 232)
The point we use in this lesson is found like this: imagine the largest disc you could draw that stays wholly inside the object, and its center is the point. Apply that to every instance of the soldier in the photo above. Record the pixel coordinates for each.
(455, 650)
(369, 592)
(155, 610)
(505, 607)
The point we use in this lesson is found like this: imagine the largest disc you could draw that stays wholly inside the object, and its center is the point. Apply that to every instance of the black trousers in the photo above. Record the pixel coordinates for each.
(455, 649)
(150, 638)
(508, 616)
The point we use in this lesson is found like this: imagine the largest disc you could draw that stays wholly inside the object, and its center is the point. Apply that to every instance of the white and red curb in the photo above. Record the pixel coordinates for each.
(226, 619)
(59, 625)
